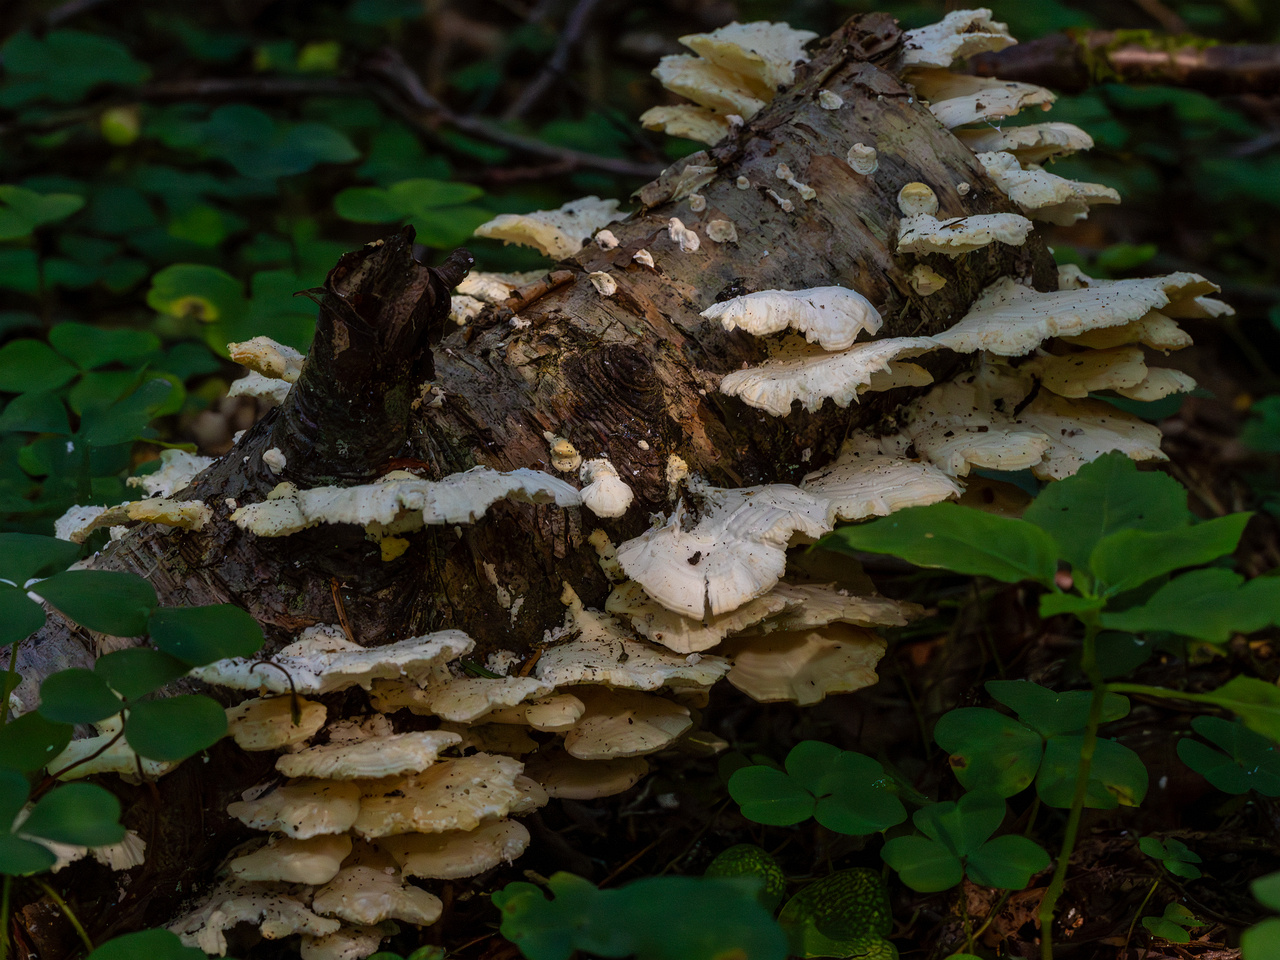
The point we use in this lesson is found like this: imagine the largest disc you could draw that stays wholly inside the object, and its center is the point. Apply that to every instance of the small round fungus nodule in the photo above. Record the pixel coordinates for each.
(722, 231)
(605, 285)
(830, 100)
(644, 258)
(963, 189)
(697, 202)
(605, 240)
(686, 239)
(564, 455)
(916, 199)
(742, 183)
(925, 280)
(863, 159)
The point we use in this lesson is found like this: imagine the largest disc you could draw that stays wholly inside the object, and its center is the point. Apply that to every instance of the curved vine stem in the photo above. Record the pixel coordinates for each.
(67, 912)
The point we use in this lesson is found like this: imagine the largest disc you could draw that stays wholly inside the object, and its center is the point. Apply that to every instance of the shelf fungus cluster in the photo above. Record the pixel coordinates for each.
(735, 71)
(426, 783)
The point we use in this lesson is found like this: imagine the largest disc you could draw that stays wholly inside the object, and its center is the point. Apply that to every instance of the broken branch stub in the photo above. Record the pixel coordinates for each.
(348, 413)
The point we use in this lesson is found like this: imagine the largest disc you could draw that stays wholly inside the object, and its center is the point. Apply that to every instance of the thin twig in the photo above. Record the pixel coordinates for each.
(574, 26)
(403, 92)
(67, 912)
(73, 8)
(342, 609)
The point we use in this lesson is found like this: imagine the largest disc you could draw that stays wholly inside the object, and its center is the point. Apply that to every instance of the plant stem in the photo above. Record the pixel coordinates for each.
(1132, 923)
(67, 912)
(1163, 693)
(1089, 661)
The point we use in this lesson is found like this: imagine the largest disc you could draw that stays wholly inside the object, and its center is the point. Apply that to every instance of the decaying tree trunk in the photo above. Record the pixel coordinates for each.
(632, 377)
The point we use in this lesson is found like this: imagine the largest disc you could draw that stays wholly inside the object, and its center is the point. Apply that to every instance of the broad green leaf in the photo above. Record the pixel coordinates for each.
(1175, 855)
(127, 418)
(64, 65)
(20, 616)
(809, 761)
(746, 859)
(366, 205)
(1105, 496)
(90, 347)
(1006, 862)
(78, 813)
(1117, 775)
(1210, 605)
(36, 413)
(29, 366)
(963, 825)
(770, 796)
(137, 671)
(24, 556)
(846, 914)
(1129, 558)
(989, 750)
(1266, 890)
(174, 728)
(448, 226)
(1175, 923)
(14, 790)
(19, 857)
(194, 290)
(853, 796)
(29, 742)
(923, 864)
(1246, 760)
(419, 195)
(77, 696)
(1049, 712)
(200, 635)
(21, 211)
(108, 601)
(956, 538)
(1254, 701)
(151, 944)
(1261, 941)
(1053, 604)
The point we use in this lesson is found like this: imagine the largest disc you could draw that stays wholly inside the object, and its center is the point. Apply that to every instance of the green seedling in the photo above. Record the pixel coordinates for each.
(1174, 855)
(153, 944)
(657, 918)
(1244, 761)
(844, 791)
(1262, 940)
(844, 915)
(992, 751)
(1175, 925)
(957, 842)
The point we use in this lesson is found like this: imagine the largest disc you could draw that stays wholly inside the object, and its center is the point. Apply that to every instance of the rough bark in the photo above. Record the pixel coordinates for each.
(606, 373)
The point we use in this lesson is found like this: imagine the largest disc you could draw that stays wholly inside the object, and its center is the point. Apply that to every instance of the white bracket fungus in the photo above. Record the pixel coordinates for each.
(765, 53)
(644, 258)
(805, 666)
(1046, 196)
(684, 238)
(177, 469)
(460, 699)
(265, 356)
(862, 482)
(569, 778)
(1033, 143)
(708, 85)
(957, 235)
(269, 724)
(369, 894)
(558, 233)
(451, 795)
(564, 455)
(275, 460)
(305, 809)
(799, 372)
(497, 287)
(606, 240)
(273, 908)
(625, 723)
(925, 280)
(605, 493)
(312, 861)
(688, 122)
(684, 634)
(456, 855)
(323, 663)
(259, 387)
(957, 36)
(390, 755)
(1012, 320)
(830, 316)
(403, 500)
(957, 99)
(98, 757)
(79, 522)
